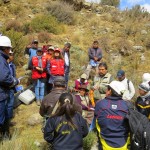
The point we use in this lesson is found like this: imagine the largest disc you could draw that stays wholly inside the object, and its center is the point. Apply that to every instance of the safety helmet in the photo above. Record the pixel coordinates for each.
(59, 81)
(5, 41)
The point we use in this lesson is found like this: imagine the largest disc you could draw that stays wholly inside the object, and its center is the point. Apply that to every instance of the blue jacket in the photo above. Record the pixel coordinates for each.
(6, 79)
(64, 137)
(111, 123)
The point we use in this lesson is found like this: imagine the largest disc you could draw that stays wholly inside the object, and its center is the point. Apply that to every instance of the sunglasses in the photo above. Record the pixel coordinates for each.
(11, 54)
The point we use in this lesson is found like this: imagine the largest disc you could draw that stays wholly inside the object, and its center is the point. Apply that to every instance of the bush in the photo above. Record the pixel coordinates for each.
(18, 44)
(89, 141)
(13, 24)
(46, 23)
(62, 11)
(44, 37)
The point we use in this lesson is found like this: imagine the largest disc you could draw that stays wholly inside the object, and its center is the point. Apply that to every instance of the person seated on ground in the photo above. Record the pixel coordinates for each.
(55, 66)
(101, 80)
(143, 101)
(38, 66)
(127, 83)
(81, 81)
(95, 56)
(146, 77)
(49, 102)
(111, 123)
(66, 128)
(83, 99)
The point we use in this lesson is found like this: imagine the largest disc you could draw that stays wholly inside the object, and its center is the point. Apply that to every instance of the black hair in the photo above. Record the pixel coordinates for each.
(68, 45)
(95, 42)
(67, 109)
(103, 64)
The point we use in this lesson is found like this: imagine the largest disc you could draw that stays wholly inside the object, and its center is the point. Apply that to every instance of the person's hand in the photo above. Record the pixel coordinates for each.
(95, 58)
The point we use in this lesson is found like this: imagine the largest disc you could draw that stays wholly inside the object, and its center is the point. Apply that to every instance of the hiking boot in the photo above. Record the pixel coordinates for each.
(38, 103)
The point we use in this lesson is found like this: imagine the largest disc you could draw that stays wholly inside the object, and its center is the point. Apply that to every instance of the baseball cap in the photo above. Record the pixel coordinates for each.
(35, 42)
(51, 48)
(120, 73)
(84, 76)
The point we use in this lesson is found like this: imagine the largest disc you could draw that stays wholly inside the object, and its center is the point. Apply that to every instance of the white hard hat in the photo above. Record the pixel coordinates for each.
(146, 77)
(5, 41)
(118, 87)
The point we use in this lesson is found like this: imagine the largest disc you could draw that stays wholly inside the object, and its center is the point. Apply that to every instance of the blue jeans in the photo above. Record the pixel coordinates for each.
(67, 70)
(2, 111)
(10, 104)
(39, 87)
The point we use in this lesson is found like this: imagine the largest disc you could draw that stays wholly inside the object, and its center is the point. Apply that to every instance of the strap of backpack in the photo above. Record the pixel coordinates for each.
(55, 108)
(128, 85)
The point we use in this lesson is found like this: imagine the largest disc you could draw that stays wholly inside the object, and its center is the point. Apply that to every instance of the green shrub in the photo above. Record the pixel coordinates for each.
(16, 10)
(62, 11)
(46, 23)
(18, 44)
(89, 141)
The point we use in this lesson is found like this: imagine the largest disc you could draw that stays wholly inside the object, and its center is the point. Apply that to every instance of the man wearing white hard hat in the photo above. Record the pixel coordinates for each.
(6, 82)
(110, 114)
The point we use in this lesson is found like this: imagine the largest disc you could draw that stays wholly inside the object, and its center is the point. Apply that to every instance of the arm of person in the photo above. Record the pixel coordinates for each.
(84, 127)
(49, 130)
(91, 56)
(99, 57)
(5, 77)
(131, 90)
(48, 67)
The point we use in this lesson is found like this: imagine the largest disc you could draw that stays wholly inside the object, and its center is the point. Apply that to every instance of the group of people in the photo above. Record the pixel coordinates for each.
(69, 115)
(46, 65)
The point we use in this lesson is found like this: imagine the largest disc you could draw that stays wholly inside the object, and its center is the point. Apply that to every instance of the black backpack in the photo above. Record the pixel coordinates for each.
(139, 129)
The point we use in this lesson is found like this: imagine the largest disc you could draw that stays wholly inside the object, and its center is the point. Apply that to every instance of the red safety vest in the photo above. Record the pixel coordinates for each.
(57, 67)
(36, 74)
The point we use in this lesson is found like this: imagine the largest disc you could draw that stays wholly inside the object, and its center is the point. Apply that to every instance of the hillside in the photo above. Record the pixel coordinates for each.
(124, 38)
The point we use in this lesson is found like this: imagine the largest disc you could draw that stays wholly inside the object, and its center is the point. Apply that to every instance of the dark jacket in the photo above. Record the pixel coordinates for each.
(143, 106)
(111, 119)
(62, 136)
(49, 101)
(6, 79)
(95, 53)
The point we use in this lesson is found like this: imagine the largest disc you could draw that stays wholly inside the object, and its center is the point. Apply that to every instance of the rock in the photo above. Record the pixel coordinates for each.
(34, 119)
(138, 48)
(31, 16)
(143, 32)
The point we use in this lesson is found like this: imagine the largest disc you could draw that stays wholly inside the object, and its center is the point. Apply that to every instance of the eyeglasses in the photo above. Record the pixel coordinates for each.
(11, 54)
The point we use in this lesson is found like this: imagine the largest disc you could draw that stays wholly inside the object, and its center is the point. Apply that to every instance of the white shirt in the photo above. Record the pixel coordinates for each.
(66, 59)
(130, 91)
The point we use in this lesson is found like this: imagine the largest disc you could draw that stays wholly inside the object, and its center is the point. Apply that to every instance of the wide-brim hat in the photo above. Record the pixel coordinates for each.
(83, 87)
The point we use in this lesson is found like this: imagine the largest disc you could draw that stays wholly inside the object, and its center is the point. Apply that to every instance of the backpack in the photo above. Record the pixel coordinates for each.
(139, 129)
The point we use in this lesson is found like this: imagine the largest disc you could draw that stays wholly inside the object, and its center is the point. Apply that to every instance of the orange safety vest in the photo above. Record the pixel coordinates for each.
(57, 67)
(35, 73)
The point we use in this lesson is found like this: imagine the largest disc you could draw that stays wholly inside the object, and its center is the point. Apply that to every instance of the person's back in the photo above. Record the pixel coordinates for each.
(66, 128)
(111, 120)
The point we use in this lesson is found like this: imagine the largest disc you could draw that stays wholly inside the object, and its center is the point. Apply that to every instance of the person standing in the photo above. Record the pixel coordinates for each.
(143, 101)
(10, 103)
(95, 56)
(111, 123)
(127, 83)
(66, 128)
(7, 81)
(66, 55)
(38, 66)
(101, 80)
(55, 66)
